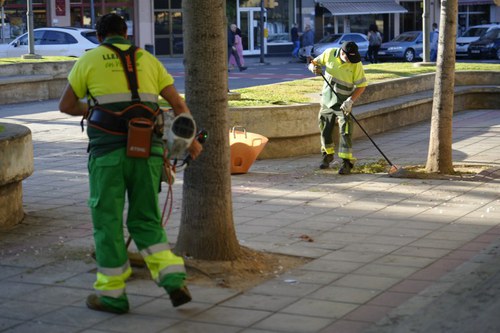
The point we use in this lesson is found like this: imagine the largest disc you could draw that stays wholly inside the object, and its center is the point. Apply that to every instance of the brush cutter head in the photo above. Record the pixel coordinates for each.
(393, 169)
(397, 172)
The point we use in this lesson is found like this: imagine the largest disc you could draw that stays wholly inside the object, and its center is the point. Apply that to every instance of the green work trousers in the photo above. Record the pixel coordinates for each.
(328, 119)
(113, 177)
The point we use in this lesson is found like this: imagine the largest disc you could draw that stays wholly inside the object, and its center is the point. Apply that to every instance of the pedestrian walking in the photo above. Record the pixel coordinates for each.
(344, 71)
(119, 93)
(231, 47)
(434, 39)
(374, 42)
(307, 41)
(294, 34)
(238, 43)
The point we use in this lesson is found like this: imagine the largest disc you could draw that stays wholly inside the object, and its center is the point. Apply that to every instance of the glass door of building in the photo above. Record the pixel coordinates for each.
(249, 23)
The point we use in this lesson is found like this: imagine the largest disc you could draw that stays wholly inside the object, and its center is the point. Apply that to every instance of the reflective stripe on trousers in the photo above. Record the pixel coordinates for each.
(161, 262)
(111, 281)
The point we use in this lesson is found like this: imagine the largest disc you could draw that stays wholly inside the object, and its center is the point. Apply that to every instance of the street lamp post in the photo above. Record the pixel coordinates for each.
(426, 31)
(92, 14)
(3, 22)
(261, 31)
(31, 39)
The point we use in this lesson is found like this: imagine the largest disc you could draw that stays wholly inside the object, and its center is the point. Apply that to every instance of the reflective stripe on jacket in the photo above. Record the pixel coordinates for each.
(344, 77)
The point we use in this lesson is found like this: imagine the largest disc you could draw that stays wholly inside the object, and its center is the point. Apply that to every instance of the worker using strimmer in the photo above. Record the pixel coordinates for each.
(344, 72)
(122, 84)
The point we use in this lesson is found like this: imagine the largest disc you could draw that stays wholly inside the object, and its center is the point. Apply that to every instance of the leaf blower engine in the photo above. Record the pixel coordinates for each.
(179, 132)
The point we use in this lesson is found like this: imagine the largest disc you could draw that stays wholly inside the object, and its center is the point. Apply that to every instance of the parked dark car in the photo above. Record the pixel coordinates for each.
(407, 46)
(488, 46)
(472, 34)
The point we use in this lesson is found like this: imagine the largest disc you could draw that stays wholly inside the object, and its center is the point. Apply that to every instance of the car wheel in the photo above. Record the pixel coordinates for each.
(409, 55)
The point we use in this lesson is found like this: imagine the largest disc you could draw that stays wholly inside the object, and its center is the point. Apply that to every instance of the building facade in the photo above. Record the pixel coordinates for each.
(158, 24)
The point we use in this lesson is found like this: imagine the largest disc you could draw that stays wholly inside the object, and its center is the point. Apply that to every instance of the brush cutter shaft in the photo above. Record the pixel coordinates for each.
(380, 151)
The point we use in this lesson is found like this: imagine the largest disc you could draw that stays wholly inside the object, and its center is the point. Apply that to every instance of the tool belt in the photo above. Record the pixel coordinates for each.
(117, 123)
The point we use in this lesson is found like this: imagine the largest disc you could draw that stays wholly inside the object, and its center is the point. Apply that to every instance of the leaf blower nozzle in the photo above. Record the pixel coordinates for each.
(180, 135)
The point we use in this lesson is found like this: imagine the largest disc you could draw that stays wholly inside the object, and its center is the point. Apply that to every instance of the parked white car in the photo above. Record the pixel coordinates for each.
(52, 41)
(471, 35)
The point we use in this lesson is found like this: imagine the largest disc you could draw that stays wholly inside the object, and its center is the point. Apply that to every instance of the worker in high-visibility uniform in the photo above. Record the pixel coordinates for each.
(113, 174)
(344, 71)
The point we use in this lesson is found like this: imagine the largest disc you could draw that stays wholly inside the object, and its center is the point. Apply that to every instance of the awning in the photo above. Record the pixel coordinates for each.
(362, 7)
(479, 2)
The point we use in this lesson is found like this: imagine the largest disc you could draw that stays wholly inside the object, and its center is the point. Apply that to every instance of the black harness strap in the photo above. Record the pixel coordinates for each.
(128, 62)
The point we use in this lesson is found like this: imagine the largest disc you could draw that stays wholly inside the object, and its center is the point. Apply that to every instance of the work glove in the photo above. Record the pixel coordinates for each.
(346, 107)
(315, 69)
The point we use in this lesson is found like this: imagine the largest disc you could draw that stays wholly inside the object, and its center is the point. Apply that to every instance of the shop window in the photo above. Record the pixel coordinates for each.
(176, 4)
(162, 23)
(176, 22)
(278, 23)
(161, 4)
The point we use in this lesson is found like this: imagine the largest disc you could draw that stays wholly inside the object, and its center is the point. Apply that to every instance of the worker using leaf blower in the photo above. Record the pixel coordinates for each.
(345, 73)
(122, 84)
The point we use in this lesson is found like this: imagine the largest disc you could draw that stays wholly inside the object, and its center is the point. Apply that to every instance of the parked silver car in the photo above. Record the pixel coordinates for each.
(406, 46)
(53, 41)
(336, 40)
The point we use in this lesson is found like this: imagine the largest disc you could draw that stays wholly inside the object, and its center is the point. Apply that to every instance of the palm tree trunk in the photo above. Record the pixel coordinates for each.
(207, 227)
(439, 158)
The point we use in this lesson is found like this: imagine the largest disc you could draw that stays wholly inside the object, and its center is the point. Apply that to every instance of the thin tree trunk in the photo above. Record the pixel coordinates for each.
(207, 227)
(439, 158)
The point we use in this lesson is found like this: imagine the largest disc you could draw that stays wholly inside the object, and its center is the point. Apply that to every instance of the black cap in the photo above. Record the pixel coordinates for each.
(351, 49)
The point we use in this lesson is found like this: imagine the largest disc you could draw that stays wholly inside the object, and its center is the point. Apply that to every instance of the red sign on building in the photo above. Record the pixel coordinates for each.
(60, 7)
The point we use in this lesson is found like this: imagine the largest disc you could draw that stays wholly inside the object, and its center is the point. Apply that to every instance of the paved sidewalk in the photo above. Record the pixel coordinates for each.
(384, 252)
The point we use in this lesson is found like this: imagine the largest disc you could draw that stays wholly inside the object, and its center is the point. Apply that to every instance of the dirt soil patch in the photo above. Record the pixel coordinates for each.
(462, 172)
(250, 269)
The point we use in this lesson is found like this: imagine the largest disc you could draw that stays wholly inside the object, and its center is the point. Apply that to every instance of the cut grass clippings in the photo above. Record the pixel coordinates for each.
(461, 171)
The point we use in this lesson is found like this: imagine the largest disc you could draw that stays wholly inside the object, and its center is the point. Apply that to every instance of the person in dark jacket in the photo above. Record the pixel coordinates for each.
(374, 42)
(294, 33)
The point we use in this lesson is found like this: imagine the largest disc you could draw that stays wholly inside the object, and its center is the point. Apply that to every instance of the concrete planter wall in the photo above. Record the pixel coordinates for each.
(27, 82)
(293, 129)
(59, 69)
(16, 164)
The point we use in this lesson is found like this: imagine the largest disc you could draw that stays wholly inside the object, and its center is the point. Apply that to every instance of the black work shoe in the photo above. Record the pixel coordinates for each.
(327, 159)
(345, 168)
(94, 302)
(180, 296)
(243, 68)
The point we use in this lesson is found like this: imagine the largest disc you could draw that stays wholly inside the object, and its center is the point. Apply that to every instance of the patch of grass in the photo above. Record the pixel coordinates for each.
(300, 91)
(19, 60)
(292, 92)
